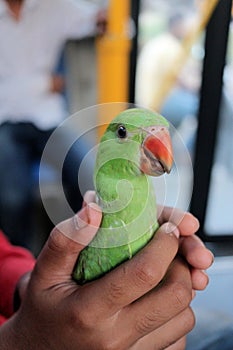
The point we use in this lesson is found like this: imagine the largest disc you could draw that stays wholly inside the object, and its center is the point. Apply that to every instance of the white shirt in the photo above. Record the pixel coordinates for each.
(29, 49)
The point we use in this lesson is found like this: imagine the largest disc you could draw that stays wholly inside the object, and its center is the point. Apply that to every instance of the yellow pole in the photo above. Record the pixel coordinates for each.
(113, 50)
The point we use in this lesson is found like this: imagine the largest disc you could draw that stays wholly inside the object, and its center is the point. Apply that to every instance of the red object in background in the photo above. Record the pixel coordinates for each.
(14, 262)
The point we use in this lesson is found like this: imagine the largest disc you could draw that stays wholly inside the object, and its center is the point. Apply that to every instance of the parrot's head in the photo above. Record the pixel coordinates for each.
(140, 137)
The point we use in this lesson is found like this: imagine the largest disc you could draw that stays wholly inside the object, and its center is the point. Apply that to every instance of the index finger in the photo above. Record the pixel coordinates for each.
(186, 222)
(133, 278)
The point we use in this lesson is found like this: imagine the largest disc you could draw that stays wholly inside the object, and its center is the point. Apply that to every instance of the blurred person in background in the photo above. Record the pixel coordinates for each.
(157, 65)
(32, 104)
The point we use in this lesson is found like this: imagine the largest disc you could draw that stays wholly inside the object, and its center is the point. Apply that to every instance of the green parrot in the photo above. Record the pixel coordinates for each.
(135, 146)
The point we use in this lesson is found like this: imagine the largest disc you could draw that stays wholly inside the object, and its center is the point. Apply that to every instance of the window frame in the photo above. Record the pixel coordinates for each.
(216, 41)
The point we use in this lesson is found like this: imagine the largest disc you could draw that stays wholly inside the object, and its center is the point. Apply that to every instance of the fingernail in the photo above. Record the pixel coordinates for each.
(79, 221)
(89, 197)
(93, 206)
(171, 228)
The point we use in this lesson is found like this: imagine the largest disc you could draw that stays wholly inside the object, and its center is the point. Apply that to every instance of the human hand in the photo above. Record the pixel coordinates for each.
(124, 309)
(191, 247)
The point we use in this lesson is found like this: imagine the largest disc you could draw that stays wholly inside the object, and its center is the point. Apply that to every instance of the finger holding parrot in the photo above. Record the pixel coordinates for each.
(191, 247)
(185, 221)
(173, 332)
(89, 197)
(135, 277)
(195, 252)
(160, 321)
(199, 258)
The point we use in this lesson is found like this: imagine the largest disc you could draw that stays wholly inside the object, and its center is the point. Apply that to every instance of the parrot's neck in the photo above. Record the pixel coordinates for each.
(128, 203)
(121, 185)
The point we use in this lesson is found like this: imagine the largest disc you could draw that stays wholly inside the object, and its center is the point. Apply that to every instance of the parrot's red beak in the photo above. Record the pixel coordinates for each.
(156, 151)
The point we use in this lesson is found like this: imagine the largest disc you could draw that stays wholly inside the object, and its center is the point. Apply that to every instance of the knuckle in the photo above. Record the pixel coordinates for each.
(182, 295)
(59, 241)
(146, 324)
(145, 275)
(83, 319)
(55, 241)
(115, 292)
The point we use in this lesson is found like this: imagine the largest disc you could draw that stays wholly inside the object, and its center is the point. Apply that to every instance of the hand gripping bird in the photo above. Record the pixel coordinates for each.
(135, 146)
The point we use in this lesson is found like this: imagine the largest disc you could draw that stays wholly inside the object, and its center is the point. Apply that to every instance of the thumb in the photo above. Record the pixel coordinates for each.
(67, 239)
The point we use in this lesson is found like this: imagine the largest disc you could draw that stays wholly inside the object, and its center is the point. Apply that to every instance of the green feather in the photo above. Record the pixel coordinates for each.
(125, 195)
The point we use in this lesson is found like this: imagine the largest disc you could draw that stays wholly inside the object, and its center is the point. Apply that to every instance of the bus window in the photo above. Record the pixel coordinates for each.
(219, 218)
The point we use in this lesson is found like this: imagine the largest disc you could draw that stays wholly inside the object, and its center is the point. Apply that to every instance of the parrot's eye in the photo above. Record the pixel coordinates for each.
(121, 132)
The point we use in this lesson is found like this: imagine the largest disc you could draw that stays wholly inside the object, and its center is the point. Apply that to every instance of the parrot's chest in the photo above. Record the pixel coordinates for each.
(129, 210)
